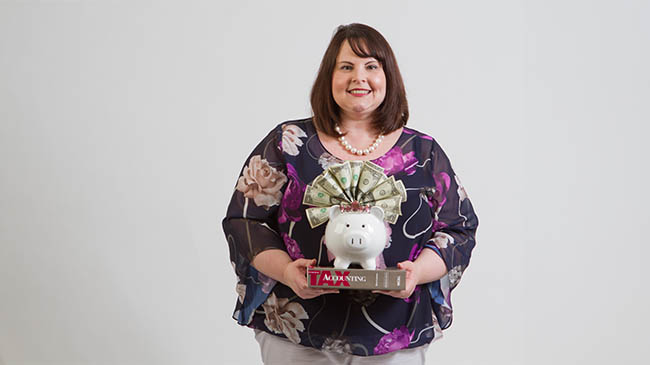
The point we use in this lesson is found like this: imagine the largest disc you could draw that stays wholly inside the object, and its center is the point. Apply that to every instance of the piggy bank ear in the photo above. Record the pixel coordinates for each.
(377, 212)
(335, 210)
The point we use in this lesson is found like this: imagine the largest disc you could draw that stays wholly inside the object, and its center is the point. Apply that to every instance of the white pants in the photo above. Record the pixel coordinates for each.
(278, 350)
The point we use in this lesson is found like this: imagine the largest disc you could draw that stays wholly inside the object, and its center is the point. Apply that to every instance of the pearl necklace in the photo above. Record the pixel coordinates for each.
(358, 151)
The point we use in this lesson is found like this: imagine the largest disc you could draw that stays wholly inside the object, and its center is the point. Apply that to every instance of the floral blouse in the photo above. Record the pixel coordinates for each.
(266, 212)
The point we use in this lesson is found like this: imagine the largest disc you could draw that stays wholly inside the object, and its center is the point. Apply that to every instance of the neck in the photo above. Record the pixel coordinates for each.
(357, 125)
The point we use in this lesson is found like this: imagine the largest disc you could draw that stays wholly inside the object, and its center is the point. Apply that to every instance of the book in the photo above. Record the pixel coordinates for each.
(358, 279)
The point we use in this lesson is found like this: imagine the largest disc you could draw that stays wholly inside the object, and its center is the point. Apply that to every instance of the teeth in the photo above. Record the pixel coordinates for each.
(360, 92)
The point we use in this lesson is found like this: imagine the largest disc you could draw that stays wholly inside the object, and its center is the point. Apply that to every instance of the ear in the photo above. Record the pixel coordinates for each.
(335, 210)
(377, 212)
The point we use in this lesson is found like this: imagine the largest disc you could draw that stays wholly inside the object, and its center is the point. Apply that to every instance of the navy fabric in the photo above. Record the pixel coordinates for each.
(266, 213)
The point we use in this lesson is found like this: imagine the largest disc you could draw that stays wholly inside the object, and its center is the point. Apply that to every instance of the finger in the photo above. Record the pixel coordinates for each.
(301, 262)
(305, 263)
(297, 279)
(395, 294)
(325, 291)
(406, 265)
(313, 293)
(385, 292)
(330, 291)
(307, 293)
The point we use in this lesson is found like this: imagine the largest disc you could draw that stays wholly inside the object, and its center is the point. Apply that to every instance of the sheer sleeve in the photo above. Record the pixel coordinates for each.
(251, 222)
(454, 231)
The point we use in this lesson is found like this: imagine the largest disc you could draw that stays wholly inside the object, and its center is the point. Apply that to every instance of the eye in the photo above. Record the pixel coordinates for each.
(363, 226)
(346, 67)
(347, 225)
(373, 67)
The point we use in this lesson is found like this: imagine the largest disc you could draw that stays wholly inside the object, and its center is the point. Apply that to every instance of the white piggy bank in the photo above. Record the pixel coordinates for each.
(356, 237)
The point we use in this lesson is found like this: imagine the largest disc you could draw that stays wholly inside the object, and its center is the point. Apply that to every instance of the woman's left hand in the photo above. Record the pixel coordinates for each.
(411, 281)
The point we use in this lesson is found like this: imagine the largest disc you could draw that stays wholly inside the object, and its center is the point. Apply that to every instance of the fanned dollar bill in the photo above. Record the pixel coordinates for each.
(383, 190)
(370, 176)
(317, 216)
(315, 196)
(343, 175)
(355, 182)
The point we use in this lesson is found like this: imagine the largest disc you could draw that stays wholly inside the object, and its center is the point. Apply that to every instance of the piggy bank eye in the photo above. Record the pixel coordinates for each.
(363, 226)
(347, 225)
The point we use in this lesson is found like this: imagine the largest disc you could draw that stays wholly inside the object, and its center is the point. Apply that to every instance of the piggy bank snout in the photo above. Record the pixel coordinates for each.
(356, 239)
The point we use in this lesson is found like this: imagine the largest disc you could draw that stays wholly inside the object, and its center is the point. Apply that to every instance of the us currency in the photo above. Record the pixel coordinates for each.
(328, 183)
(392, 204)
(343, 175)
(316, 196)
(370, 176)
(386, 189)
(317, 216)
(391, 217)
(402, 189)
(355, 167)
(391, 208)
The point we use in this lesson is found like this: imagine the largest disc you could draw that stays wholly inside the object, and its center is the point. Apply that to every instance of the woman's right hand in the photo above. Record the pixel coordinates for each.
(295, 277)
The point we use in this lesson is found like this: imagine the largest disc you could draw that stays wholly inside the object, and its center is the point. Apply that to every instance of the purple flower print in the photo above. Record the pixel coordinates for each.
(292, 247)
(396, 340)
(292, 199)
(433, 197)
(423, 136)
(395, 161)
(415, 252)
(438, 225)
(443, 181)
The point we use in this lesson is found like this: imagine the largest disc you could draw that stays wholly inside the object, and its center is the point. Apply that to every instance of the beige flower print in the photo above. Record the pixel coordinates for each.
(441, 239)
(336, 345)
(291, 135)
(462, 195)
(326, 160)
(261, 182)
(284, 317)
(454, 275)
(241, 292)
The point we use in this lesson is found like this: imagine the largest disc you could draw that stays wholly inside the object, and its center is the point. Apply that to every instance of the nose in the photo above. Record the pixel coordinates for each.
(359, 241)
(359, 75)
(356, 240)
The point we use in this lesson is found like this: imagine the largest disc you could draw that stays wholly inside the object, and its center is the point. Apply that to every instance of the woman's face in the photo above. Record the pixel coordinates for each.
(358, 84)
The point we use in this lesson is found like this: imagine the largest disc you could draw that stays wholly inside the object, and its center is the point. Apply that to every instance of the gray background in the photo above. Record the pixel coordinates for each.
(124, 125)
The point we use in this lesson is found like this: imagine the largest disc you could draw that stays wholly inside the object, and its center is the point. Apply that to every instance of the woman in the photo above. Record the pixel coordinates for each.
(360, 113)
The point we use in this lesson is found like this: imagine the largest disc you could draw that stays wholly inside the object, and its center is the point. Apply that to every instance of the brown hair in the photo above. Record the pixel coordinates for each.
(393, 113)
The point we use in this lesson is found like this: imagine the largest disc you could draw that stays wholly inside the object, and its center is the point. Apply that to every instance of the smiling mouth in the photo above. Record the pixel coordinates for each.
(359, 92)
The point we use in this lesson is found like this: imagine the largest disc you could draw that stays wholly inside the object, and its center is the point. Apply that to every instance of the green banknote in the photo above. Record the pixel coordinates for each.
(317, 216)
